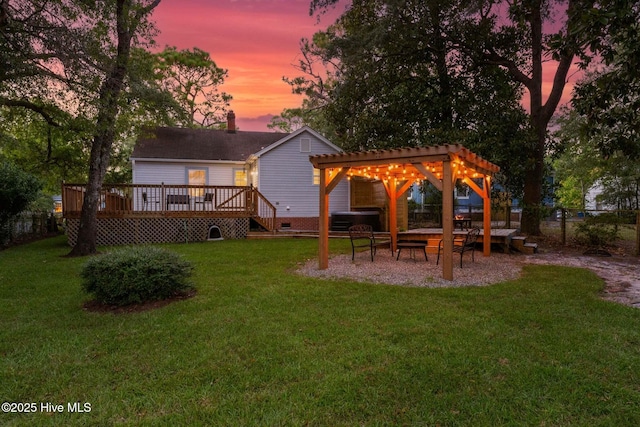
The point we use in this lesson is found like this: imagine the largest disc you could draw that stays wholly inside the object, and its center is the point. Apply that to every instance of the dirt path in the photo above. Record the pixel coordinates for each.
(621, 274)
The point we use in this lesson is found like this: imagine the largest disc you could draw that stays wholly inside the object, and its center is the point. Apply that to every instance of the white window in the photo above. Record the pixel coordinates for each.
(305, 145)
(462, 191)
(239, 177)
(316, 176)
(196, 177)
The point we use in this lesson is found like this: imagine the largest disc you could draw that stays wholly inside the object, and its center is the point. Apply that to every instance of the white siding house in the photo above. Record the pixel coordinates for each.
(283, 173)
(277, 164)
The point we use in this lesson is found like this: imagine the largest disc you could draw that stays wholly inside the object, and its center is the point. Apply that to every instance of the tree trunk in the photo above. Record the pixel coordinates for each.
(533, 182)
(104, 134)
(532, 199)
(540, 116)
(129, 16)
(98, 163)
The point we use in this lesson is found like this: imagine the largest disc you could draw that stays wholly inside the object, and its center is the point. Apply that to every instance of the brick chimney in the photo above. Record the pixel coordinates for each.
(231, 122)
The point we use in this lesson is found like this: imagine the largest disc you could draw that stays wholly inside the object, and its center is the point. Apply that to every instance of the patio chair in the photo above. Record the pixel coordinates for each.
(145, 201)
(208, 199)
(468, 244)
(362, 236)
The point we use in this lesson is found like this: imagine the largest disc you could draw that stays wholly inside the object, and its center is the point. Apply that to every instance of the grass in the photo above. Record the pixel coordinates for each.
(260, 345)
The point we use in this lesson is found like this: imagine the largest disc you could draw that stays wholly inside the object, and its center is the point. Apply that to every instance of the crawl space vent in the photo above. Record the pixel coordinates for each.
(215, 233)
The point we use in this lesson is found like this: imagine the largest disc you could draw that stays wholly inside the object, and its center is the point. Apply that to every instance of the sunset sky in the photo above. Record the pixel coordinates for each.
(257, 41)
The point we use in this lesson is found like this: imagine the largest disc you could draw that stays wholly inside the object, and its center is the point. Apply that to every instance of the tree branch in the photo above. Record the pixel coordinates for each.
(30, 106)
(493, 58)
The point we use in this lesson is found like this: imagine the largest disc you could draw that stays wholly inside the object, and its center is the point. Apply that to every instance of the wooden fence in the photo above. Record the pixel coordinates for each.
(27, 225)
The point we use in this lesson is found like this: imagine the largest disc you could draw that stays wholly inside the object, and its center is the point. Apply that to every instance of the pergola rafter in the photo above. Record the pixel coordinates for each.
(397, 169)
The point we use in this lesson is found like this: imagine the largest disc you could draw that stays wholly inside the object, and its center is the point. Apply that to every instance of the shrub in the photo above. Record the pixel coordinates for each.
(136, 274)
(17, 190)
(598, 230)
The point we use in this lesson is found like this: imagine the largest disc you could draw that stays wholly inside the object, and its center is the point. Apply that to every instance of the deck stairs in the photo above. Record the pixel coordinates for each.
(264, 225)
(520, 244)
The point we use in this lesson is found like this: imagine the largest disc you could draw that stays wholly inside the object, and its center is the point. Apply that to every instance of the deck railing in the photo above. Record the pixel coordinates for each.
(127, 200)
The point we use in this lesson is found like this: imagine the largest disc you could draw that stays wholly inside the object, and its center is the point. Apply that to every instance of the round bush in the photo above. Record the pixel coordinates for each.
(136, 274)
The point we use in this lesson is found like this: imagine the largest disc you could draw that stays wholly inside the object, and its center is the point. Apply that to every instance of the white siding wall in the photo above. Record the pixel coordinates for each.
(286, 179)
(174, 173)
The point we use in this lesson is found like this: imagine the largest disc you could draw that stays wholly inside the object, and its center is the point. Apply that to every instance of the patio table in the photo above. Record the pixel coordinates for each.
(412, 246)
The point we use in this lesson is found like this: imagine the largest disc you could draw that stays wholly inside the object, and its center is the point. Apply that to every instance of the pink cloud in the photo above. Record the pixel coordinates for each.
(257, 41)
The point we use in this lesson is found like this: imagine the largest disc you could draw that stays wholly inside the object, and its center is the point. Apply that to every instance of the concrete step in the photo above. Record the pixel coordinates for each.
(520, 244)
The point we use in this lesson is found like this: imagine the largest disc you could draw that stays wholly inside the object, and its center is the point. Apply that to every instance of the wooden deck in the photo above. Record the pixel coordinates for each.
(148, 201)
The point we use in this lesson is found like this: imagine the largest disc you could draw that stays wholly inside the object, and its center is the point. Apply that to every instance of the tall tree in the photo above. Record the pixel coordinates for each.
(54, 54)
(395, 78)
(52, 153)
(521, 38)
(193, 79)
(39, 48)
(609, 98)
(130, 18)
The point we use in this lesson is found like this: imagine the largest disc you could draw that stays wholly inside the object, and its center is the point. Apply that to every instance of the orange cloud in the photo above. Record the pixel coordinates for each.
(257, 41)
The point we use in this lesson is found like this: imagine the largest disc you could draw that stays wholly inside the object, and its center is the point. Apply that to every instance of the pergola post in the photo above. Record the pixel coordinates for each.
(323, 232)
(486, 216)
(393, 213)
(447, 220)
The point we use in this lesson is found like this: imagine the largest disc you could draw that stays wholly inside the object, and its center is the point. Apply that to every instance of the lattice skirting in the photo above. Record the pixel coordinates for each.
(131, 231)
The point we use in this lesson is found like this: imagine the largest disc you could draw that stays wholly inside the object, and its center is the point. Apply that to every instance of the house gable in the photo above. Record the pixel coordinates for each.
(313, 135)
(286, 177)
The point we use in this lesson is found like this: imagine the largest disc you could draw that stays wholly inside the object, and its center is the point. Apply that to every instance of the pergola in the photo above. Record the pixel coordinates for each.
(398, 169)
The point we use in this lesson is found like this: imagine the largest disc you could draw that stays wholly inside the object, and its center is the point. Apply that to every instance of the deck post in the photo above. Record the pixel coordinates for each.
(323, 241)
(163, 197)
(447, 220)
(486, 216)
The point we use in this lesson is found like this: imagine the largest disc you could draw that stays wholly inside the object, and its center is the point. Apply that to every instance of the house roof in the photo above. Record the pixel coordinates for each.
(292, 135)
(203, 144)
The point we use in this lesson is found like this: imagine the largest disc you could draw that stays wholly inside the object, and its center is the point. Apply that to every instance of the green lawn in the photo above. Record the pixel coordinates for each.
(260, 345)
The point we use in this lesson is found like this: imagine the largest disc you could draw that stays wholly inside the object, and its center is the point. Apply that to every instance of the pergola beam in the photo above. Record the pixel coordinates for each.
(429, 175)
(337, 178)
